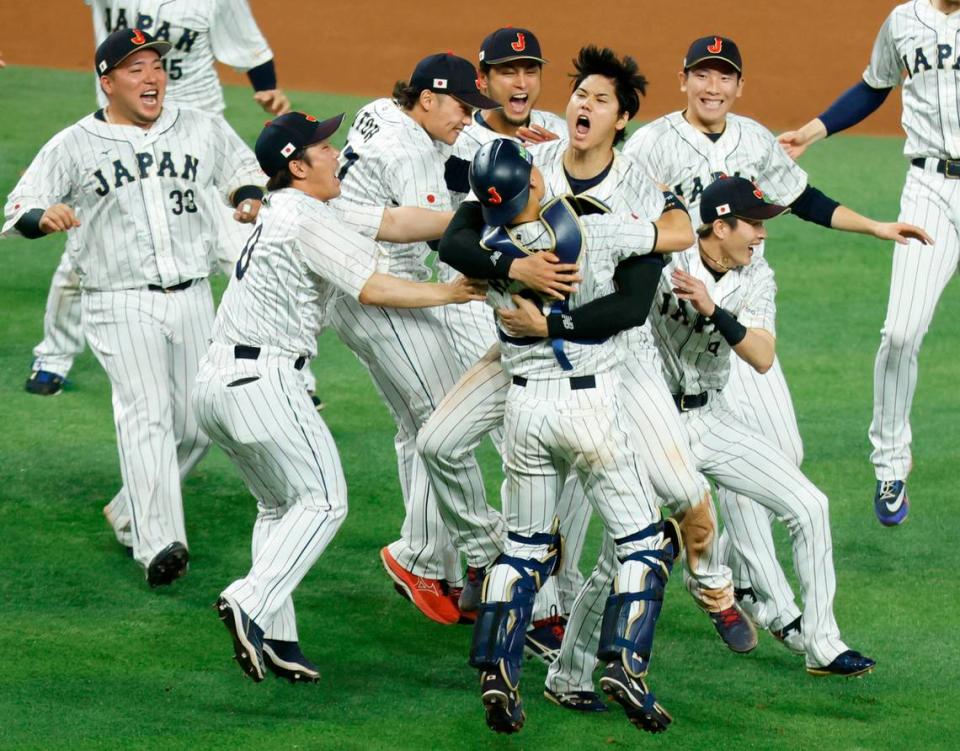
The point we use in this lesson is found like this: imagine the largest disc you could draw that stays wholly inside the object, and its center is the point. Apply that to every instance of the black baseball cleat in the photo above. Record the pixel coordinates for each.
(847, 664)
(168, 565)
(247, 636)
(502, 703)
(285, 660)
(578, 701)
(44, 383)
(736, 631)
(636, 699)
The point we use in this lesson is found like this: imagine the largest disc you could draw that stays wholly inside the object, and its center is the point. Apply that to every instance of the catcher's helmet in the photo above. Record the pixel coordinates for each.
(500, 179)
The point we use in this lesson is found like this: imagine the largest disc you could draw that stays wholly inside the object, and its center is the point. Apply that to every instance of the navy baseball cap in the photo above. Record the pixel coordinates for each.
(445, 73)
(736, 196)
(122, 43)
(500, 179)
(281, 138)
(508, 44)
(713, 48)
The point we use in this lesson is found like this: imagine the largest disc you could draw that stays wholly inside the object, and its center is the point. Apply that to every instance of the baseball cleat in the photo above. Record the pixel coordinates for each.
(502, 703)
(578, 701)
(890, 502)
(636, 699)
(430, 596)
(847, 664)
(472, 593)
(736, 631)
(247, 636)
(317, 401)
(120, 526)
(168, 565)
(544, 637)
(791, 636)
(44, 383)
(285, 660)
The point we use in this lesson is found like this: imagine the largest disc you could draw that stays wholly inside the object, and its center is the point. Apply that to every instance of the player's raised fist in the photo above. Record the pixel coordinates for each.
(246, 212)
(58, 218)
(273, 101)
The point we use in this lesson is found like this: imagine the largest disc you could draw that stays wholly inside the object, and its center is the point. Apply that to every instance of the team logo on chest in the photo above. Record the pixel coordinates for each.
(119, 174)
(945, 57)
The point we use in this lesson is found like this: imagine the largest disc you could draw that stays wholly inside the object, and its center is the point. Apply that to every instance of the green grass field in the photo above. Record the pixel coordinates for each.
(94, 659)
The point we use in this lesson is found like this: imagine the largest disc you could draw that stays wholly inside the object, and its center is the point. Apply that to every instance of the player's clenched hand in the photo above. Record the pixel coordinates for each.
(526, 320)
(901, 233)
(273, 101)
(690, 288)
(543, 272)
(464, 290)
(246, 212)
(58, 218)
(535, 134)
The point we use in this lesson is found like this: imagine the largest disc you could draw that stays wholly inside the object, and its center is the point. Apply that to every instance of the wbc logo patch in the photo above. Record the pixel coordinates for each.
(439, 83)
(288, 149)
(103, 65)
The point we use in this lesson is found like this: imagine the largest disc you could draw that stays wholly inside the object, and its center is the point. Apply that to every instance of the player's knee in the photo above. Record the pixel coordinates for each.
(903, 337)
(431, 445)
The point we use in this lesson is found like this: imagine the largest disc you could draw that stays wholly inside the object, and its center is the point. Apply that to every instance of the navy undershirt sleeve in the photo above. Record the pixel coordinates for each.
(460, 246)
(852, 106)
(263, 77)
(813, 206)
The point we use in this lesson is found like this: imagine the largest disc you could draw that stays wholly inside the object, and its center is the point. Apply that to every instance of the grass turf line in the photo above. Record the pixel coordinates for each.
(96, 660)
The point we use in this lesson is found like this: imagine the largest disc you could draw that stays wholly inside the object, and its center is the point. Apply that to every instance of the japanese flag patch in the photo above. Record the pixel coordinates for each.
(288, 149)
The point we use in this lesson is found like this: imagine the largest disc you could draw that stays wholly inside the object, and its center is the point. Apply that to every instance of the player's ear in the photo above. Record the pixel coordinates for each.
(739, 86)
(483, 82)
(106, 84)
(427, 99)
(682, 75)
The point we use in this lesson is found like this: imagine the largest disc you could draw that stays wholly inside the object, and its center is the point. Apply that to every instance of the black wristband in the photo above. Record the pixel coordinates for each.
(247, 192)
(263, 77)
(28, 225)
(672, 203)
(729, 327)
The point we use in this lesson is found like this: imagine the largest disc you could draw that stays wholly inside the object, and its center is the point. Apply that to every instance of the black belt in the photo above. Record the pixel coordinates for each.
(686, 402)
(946, 167)
(246, 352)
(174, 288)
(576, 382)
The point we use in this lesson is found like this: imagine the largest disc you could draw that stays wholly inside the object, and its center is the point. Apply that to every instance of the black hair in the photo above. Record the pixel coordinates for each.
(706, 230)
(284, 178)
(405, 95)
(629, 83)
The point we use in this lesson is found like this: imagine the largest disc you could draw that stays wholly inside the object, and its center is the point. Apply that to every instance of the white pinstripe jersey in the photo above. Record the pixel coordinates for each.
(389, 160)
(695, 356)
(143, 197)
(607, 240)
(201, 32)
(625, 190)
(921, 43)
(671, 151)
(301, 255)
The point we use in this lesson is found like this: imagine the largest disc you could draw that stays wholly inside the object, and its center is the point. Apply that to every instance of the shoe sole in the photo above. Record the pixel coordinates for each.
(291, 671)
(822, 673)
(243, 651)
(641, 719)
(497, 706)
(407, 592)
(167, 571)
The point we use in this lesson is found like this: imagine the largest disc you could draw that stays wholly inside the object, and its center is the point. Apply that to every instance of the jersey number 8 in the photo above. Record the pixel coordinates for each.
(244, 260)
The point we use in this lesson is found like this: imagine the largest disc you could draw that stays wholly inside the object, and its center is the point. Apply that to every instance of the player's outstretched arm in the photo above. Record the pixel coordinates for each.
(392, 292)
(848, 220)
(674, 231)
(756, 347)
(409, 224)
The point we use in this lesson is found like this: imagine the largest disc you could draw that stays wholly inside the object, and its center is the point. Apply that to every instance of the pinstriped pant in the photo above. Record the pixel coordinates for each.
(407, 353)
(919, 276)
(286, 455)
(150, 345)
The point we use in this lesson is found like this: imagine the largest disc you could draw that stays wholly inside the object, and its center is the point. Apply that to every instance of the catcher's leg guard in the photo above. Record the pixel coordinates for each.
(502, 623)
(626, 633)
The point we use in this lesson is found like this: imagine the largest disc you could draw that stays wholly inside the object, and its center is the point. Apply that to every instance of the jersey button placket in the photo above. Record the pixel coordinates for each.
(157, 208)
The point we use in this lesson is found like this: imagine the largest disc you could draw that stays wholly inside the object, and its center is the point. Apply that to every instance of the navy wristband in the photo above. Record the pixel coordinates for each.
(263, 77)
(729, 327)
(28, 225)
(247, 192)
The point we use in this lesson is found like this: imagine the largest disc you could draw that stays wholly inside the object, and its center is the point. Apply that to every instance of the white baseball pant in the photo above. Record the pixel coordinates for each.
(259, 414)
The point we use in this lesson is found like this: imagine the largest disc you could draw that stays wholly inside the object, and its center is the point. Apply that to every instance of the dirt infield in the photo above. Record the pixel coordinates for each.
(798, 56)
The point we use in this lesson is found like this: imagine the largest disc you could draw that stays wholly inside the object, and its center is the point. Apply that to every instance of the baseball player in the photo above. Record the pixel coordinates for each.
(249, 396)
(562, 416)
(715, 298)
(200, 32)
(147, 307)
(391, 157)
(606, 95)
(918, 46)
(687, 150)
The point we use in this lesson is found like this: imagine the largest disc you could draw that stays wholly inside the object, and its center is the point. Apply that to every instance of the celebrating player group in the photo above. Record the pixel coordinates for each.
(603, 309)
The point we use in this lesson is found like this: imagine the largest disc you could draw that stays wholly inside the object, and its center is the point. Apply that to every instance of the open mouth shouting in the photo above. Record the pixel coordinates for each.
(517, 104)
(582, 125)
(150, 97)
